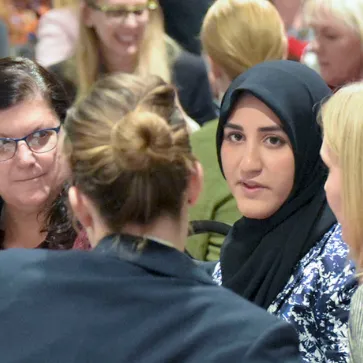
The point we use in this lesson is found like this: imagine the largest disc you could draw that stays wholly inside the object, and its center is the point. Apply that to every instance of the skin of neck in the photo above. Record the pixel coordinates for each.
(164, 228)
(22, 228)
(223, 83)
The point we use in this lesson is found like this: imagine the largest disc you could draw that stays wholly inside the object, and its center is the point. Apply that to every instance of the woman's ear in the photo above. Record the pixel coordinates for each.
(80, 207)
(195, 186)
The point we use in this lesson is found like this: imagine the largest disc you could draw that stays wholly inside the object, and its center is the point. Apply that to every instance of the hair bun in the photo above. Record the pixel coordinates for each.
(141, 140)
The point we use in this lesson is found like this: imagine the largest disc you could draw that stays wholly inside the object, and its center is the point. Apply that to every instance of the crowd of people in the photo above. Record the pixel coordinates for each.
(181, 181)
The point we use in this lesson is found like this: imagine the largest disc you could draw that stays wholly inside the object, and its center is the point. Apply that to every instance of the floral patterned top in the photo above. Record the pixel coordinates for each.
(316, 299)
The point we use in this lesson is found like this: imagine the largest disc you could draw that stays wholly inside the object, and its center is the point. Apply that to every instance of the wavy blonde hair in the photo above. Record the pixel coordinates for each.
(128, 149)
(153, 57)
(238, 34)
(342, 122)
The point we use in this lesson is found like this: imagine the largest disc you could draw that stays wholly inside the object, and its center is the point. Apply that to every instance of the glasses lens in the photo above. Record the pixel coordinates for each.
(42, 141)
(7, 149)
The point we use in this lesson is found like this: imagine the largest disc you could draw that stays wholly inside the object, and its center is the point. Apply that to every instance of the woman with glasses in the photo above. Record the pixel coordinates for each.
(128, 36)
(33, 105)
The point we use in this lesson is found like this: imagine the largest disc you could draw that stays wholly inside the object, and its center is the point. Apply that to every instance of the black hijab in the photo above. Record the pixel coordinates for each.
(259, 256)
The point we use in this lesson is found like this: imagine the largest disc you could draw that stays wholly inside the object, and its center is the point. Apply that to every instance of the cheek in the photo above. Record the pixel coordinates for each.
(349, 65)
(284, 167)
(282, 172)
(228, 157)
(103, 31)
(54, 165)
(333, 194)
(142, 29)
(5, 169)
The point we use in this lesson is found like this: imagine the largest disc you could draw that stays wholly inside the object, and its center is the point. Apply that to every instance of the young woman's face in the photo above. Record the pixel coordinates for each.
(120, 30)
(338, 49)
(257, 158)
(28, 179)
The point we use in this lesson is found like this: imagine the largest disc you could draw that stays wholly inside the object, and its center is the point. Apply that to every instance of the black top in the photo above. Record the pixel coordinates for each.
(117, 304)
(183, 21)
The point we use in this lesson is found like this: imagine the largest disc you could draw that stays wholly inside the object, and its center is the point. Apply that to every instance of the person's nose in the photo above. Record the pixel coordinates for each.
(24, 155)
(251, 162)
(130, 21)
(314, 45)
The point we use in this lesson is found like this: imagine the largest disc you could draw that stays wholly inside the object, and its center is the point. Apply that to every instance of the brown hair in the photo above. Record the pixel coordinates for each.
(128, 149)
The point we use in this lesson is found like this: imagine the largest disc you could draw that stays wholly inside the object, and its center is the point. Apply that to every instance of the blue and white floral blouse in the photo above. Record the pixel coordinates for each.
(316, 299)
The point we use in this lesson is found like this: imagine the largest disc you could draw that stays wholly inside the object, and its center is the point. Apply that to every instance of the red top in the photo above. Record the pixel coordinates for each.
(296, 48)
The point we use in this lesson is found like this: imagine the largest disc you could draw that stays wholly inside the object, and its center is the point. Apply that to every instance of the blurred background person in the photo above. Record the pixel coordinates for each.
(236, 35)
(128, 36)
(338, 39)
(57, 33)
(4, 40)
(290, 12)
(33, 106)
(183, 20)
(342, 153)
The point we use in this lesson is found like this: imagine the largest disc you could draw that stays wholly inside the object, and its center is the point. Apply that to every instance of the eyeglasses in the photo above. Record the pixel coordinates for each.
(122, 11)
(40, 141)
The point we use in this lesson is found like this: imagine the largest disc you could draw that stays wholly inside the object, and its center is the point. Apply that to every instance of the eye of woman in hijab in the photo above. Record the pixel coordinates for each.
(257, 157)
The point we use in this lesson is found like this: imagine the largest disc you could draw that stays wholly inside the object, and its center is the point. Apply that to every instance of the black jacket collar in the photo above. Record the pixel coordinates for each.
(153, 256)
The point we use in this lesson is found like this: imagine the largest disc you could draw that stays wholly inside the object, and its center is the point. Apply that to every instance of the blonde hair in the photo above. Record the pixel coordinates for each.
(238, 34)
(153, 57)
(350, 12)
(342, 121)
(128, 149)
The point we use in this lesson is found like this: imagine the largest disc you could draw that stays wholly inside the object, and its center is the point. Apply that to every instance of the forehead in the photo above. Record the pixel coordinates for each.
(26, 117)
(250, 108)
(325, 18)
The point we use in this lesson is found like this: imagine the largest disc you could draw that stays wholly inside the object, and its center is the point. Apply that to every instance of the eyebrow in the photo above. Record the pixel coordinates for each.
(260, 129)
(3, 135)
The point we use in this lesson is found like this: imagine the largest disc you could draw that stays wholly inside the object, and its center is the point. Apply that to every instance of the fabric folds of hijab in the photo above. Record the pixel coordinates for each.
(259, 256)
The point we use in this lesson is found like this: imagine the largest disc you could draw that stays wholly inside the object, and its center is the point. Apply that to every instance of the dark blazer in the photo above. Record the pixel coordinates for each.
(115, 305)
(190, 77)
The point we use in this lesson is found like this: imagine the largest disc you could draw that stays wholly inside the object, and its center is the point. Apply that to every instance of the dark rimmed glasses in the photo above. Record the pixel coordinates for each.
(123, 11)
(40, 141)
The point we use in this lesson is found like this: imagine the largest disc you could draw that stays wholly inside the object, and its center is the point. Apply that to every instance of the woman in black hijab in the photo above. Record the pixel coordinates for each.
(286, 254)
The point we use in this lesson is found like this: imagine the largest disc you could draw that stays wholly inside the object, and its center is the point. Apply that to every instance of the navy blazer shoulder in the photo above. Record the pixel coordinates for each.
(116, 304)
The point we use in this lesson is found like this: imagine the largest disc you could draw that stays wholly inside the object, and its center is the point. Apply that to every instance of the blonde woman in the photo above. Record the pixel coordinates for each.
(57, 33)
(338, 43)
(236, 35)
(128, 36)
(342, 152)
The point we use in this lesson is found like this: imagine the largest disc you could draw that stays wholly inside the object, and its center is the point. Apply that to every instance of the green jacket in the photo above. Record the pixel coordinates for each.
(216, 201)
